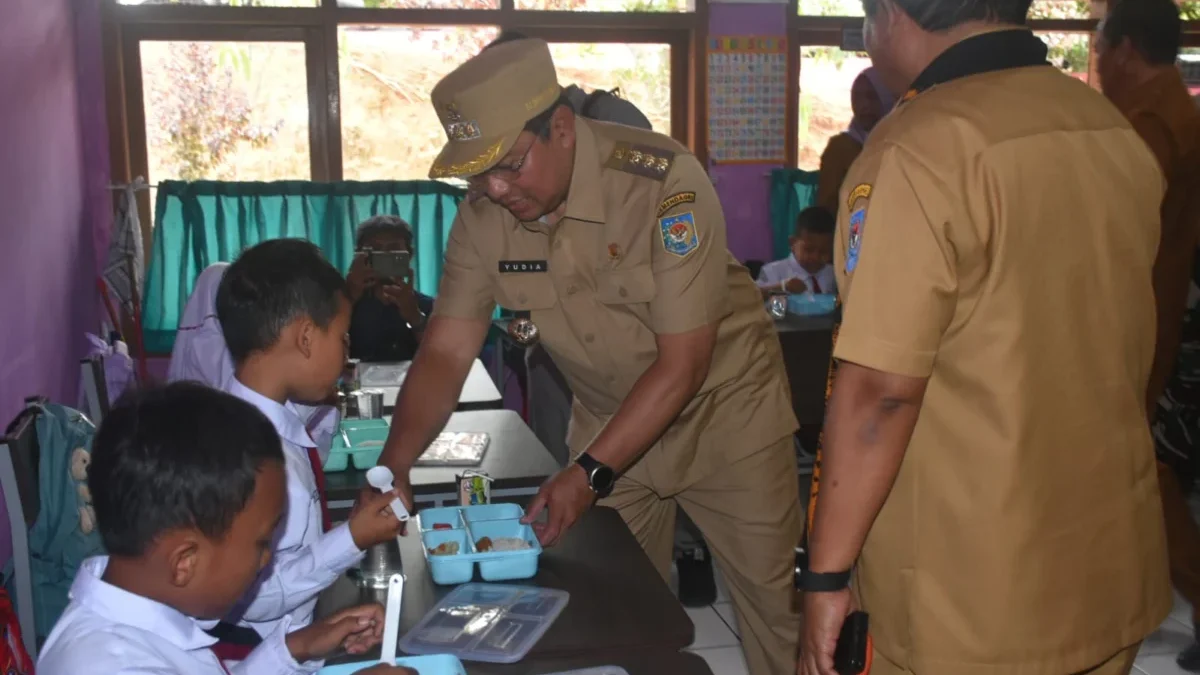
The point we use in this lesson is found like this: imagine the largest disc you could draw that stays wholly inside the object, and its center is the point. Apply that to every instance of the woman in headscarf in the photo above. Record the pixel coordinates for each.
(200, 355)
(870, 101)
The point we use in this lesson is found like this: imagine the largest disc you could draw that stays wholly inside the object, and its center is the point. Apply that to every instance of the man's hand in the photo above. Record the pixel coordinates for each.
(403, 298)
(795, 285)
(566, 495)
(824, 614)
(360, 277)
(356, 630)
(372, 521)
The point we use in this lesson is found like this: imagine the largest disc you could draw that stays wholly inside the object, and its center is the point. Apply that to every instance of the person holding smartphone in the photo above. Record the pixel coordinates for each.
(389, 314)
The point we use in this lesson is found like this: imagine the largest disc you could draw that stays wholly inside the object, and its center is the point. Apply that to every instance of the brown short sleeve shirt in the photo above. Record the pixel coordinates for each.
(997, 237)
(641, 251)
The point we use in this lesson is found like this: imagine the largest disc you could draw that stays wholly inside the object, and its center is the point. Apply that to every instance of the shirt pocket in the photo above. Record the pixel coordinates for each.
(628, 286)
(526, 292)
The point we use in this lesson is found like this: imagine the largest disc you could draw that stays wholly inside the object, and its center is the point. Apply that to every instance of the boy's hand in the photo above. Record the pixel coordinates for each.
(356, 630)
(795, 286)
(373, 521)
(360, 277)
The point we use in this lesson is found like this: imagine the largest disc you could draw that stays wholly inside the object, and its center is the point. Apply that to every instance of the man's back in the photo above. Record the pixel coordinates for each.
(1029, 482)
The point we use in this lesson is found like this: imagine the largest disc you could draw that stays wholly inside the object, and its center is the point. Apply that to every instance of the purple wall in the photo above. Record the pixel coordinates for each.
(744, 189)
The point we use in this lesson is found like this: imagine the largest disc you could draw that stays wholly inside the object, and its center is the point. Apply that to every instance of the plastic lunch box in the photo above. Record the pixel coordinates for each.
(467, 525)
(809, 305)
(439, 664)
(366, 444)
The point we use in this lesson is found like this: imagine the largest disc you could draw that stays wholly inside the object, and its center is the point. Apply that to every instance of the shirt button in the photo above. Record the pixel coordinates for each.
(522, 298)
(622, 292)
(589, 338)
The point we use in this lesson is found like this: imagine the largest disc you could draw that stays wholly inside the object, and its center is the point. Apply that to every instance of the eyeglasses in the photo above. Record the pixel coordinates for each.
(477, 185)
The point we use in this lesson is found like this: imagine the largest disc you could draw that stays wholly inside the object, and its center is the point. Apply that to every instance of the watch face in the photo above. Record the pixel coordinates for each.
(602, 479)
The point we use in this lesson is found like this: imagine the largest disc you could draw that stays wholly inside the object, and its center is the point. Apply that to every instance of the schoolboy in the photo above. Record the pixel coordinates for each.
(188, 487)
(284, 313)
(809, 268)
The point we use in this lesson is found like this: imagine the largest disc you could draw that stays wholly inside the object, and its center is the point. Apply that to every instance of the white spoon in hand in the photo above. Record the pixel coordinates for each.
(380, 478)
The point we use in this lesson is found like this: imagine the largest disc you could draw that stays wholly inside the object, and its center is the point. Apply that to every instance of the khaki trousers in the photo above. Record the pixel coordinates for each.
(749, 513)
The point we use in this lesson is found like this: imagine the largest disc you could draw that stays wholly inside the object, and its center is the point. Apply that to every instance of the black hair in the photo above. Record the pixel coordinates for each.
(540, 125)
(382, 224)
(815, 219)
(271, 285)
(1153, 27)
(941, 15)
(180, 456)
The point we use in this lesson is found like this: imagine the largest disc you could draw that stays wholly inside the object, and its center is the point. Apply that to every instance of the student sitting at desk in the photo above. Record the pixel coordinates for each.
(188, 484)
(389, 315)
(808, 268)
(284, 311)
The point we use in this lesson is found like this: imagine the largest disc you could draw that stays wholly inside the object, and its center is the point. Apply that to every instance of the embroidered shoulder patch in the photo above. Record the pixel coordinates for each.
(641, 160)
(679, 235)
(860, 191)
(858, 219)
(675, 200)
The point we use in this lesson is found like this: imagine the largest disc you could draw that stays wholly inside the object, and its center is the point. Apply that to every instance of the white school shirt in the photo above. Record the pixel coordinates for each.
(775, 273)
(106, 629)
(307, 559)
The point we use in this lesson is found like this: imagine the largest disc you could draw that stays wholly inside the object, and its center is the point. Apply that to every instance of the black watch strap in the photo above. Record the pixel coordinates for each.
(823, 582)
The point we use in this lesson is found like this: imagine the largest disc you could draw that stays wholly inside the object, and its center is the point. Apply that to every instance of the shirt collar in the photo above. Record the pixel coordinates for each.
(285, 418)
(122, 607)
(986, 53)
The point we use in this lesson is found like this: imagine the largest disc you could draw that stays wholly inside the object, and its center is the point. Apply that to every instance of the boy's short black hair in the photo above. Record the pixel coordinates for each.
(1152, 26)
(815, 219)
(271, 285)
(180, 456)
(381, 224)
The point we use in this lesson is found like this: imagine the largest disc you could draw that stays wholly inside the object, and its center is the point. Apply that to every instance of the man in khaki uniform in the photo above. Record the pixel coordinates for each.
(987, 449)
(612, 240)
(1136, 49)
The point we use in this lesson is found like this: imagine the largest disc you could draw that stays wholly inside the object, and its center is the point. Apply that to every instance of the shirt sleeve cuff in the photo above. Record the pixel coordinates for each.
(883, 356)
(273, 657)
(336, 550)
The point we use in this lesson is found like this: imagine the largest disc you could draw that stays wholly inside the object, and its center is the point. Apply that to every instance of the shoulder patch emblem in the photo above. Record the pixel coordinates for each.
(858, 219)
(679, 235)
(641, 160)
(675, 200)
(860, 191)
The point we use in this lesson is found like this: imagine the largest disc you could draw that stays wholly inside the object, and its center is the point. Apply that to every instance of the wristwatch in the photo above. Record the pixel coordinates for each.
(601, 477)
(817, 582)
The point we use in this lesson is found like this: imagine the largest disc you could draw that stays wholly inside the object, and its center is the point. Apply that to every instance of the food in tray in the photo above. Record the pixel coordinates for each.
(486, 544)
(443, 526)
(445, 548)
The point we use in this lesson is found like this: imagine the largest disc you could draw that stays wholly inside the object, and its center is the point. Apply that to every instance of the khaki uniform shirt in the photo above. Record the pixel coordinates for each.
(999, 237)
(640, 251)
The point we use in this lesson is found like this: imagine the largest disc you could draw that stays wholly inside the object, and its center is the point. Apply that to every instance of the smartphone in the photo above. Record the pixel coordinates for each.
(390, 264)
(850, 656)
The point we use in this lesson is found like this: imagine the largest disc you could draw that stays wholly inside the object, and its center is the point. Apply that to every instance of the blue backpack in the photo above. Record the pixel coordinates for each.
(64, 532)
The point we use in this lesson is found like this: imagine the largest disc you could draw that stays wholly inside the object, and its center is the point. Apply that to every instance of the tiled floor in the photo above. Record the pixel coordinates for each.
(717, 639)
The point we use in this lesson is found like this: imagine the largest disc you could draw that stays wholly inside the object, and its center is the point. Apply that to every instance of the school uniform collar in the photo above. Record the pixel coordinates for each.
(124, 608)
(979, 54)
(285, 418)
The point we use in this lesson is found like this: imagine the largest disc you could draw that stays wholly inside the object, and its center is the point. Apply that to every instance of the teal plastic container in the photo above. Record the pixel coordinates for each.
(437, 664)
(811, 305)
(467, 525)
(366, 444)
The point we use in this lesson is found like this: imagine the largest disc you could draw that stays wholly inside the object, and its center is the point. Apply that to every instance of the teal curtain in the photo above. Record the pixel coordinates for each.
(198, 224)
(792, 191)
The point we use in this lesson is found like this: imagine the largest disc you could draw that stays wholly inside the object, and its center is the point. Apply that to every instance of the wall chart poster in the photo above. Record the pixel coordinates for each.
(747, 85)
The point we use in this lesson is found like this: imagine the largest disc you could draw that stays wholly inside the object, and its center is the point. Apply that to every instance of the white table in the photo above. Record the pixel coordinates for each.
(478, 392)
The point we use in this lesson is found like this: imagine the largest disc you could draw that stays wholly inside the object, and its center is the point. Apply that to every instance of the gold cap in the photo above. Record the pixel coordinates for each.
(485, 103)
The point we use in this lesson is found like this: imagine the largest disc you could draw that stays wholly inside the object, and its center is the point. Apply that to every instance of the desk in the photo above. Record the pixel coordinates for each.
(645, 662)
(618, 602)
(807, 343)
(478, 392)
(516, 461)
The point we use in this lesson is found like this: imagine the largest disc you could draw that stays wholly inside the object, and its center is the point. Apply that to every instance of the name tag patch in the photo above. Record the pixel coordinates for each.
(519, 266)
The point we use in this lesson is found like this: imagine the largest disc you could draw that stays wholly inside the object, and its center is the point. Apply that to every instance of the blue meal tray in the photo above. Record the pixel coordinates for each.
(468, 524)
(366, 444)
(492, 623)
(811, 305)
(437, 664)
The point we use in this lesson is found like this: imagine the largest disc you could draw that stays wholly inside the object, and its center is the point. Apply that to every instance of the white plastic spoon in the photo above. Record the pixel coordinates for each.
(380, 478)
(391, 620)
